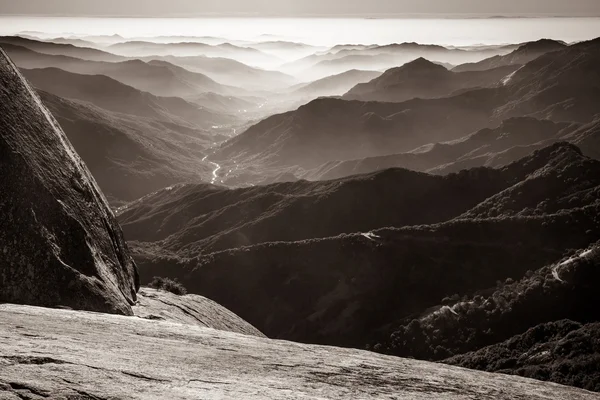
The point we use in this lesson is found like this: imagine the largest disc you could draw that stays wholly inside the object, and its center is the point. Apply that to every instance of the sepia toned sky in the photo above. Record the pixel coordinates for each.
(300, 7)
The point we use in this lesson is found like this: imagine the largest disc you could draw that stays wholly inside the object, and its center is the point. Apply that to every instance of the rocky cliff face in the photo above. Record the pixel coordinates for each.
(60, 244)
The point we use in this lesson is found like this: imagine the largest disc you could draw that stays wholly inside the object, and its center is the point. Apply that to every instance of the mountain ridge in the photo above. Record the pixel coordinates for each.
(159, 80)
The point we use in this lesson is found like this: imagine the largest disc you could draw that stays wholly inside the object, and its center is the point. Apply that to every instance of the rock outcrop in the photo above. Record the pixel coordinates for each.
(100, 356)
(189, 309)
(60, 244)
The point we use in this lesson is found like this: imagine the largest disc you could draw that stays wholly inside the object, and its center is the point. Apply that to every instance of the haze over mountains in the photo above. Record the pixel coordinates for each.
(551, 87)
(131, 156)
(431, 202)
(415, 79)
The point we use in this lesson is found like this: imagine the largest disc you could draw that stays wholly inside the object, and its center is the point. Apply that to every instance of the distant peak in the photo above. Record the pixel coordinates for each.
(136, 61)
(541, 45)
(422, 64)
(420, 60)
(414, 45)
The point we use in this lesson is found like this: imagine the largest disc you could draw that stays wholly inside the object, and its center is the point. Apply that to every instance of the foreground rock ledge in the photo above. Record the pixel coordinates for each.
(49, 353)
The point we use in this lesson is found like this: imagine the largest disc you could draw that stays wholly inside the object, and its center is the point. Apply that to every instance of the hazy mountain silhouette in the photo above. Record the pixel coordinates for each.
(227, 104)
(161, 80)
(185, 49)
(511, 140)
(282, 48)
(335, 85)
(115, 96)
(230, 71)
(521, 56)
(405, 52)
(334, 129)
(559, 86)
(131, 156)
(102, 39)
(52, 48)
(73, 41)
(424, 79)
(370, 57)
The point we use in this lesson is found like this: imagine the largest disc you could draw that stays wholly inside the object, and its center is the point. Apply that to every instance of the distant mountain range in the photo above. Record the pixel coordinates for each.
(229, 71)
(115, 96)
(512, 139)
(335, 129)
(382, 57)
(335, 85)
(521, 56)
(424, 79)
(60, 49)
(248, 55)
(559, 86)
(161, 80)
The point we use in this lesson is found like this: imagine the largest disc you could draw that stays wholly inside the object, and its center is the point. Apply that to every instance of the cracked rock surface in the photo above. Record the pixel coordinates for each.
(51, 353)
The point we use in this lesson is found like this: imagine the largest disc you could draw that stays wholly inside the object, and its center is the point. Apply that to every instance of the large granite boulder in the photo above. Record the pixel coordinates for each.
(60, 244)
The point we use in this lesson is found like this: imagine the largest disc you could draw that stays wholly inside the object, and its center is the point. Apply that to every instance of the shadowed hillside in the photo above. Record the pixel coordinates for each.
(131, 156)
(193, 219)
(563, 351)
(346, 279)
(114, 96)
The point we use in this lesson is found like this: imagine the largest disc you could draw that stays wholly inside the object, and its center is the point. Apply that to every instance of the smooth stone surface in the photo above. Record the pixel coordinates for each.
(189, 309)
(50, 353)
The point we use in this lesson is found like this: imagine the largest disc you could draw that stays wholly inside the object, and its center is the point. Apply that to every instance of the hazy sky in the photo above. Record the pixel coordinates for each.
(299, 7)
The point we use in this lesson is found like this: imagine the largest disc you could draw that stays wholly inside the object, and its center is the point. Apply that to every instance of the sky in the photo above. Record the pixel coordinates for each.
(157, 8)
